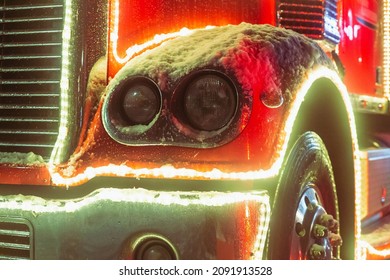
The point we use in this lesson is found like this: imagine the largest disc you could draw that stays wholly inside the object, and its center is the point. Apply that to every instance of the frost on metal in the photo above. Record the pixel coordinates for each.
(21, 158)
(261, 57)
(97, 79)
(97, 82)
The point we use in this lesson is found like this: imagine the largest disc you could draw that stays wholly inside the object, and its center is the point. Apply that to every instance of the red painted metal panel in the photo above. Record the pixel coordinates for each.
(139, 21)
(360, 48)
(24, 175)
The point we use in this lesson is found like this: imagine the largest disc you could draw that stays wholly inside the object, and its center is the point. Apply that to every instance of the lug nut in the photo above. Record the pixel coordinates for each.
(335, 239)
(317, 252)
(320, 231)
(329, 222)
(311, 206)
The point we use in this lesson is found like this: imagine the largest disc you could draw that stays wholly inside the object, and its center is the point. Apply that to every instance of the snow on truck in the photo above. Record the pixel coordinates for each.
(184, 129)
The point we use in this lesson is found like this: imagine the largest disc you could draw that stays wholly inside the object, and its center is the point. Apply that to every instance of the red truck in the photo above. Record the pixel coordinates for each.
(184, 129)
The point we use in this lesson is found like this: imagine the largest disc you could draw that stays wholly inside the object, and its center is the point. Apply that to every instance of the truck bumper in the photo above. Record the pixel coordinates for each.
(113, 223)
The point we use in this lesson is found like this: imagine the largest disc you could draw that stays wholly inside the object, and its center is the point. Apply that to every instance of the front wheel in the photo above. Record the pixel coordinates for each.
(305, 212)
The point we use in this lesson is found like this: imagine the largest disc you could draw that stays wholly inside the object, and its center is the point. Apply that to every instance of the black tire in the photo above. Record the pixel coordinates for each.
(305, 211)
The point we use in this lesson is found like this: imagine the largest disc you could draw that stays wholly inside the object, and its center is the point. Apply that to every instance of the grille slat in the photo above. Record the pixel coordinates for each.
(25, 45)
(19, 20)
(317, 19)
(29, 7)
(14, 233)
(26, 82)
(11, 258)
(28, 120)
(24, 94)
(26, 145)
(35, 32)
(30, 74)
(16, 239)
(14, 246)
(27, 107)
(5, 70)
(22, 57)
(28, 132)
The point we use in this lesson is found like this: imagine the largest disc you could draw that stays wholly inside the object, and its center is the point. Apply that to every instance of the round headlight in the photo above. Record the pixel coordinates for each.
(210, 102)
(141, 103)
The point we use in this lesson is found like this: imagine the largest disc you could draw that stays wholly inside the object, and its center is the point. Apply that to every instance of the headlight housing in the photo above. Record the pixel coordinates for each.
(203, 109)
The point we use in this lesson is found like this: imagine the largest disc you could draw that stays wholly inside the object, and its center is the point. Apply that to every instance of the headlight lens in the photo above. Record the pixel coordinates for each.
(210, 102)
(131, 108)
(141, 103)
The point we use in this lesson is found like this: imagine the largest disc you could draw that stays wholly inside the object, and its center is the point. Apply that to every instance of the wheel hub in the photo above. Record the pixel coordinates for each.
(316, 232)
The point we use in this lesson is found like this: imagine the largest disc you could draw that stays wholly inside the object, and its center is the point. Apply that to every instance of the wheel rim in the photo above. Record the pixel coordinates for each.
(315, 232)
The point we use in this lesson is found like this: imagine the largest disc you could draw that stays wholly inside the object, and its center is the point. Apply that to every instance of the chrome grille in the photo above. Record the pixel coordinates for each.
(317, 19)
(15, 239)
(30, 72)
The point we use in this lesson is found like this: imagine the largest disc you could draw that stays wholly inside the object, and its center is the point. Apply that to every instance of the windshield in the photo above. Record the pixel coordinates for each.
(137, 22)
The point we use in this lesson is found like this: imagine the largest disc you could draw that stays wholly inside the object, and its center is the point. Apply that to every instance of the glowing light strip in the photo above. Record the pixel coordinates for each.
(372, 251)
(39, 205)
(261, 238)
(134, 49)
(386, 48)
(60, 146)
